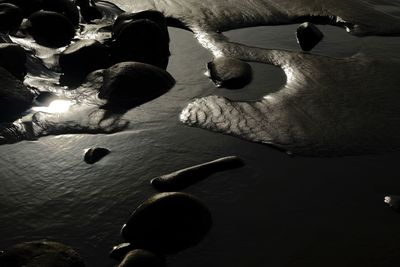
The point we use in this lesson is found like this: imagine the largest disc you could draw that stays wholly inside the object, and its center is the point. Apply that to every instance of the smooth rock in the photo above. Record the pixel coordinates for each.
(45, 98)
(168, 223)
(10, 17)
(393, 202)
(40, 254)
(130, 84)
(143, 41)
(95, 154)
(13, 59)
(229, 72)
(89, 10)
(50, 28)
(119, 252)
(64, 7)
(83, 57)
(14, 96)
(142, 258)
(308, 36)
(28, 6)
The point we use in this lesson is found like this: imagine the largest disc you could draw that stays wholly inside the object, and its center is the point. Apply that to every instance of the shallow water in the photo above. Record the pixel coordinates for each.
(275, 211)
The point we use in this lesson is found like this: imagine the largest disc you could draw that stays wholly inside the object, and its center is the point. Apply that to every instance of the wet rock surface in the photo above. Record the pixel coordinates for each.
(14, 96)
(13, 59)
(168, 223)
(81, 58)
(142, 258)
(119, 252)
(95, 154)
(10, 17)
(50, 28)
(41, 254)
(229, 72)
(308, 36)
(130, 84)
(45, 98)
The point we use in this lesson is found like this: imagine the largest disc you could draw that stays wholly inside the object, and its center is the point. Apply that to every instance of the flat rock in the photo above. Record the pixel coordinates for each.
(130, 84)
(142, 258)
(308, 36)
(83, 57)
(13, 59)
(10, 17)
(50, 28)
(95, 154)
(40, 254)
(229, 72)
(14, 96)
(168, 223)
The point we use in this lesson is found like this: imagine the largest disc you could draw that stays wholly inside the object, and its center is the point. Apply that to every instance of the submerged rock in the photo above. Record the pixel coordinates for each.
(83, 57)
(89, 10)
(95, 154)
(393, 202)
(50, 28)
(64, 7)
(13, 59)
(45, 98)
(130, 84)
(41, 253)
(229, 72)
(168, 223)
(308, 36)
(10, 17)
(142, 258)
(14, 96)
(27, 6)
(140, 40)
(119, 252)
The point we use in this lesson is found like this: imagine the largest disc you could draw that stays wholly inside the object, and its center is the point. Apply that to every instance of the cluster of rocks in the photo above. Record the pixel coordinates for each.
(164, 224)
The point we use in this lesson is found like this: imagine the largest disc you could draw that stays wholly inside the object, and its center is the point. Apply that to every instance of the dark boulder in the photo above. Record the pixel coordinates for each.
(83, 57)
(14, 96)
(50, 28)
(41, 253)
(10, 17)
(45, 98)
(308, 36)
(89, 10)
(168, 223)
(141, 40)
(229, 72)
(28, 6)
(142, 258)
(13, 59)
(95, 154)
(119, 252)
(129, 84)
(64, 7)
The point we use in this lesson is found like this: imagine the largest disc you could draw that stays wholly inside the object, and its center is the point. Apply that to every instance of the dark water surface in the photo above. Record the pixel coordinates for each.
(275, 211)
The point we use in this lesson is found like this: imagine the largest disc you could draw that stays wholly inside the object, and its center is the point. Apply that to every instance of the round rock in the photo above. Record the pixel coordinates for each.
(41, 253)
(83, 57)
(130, 84)
(13, 59)
(229, 72)
(64, 7)
(95, 154)
(119, 252)
(10, 17)
(142, 258)
(308, 36)
(14, 96)
(168, 223)
(50, 28)
(142, 41)
(27, 6)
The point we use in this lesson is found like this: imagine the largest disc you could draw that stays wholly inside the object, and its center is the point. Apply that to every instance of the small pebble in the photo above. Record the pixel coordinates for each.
(229, 72)
(95, 154)
(393, 202)
(308, 36)
(118, 252)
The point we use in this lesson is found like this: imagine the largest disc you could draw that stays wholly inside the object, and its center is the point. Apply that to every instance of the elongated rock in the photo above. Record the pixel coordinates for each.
(183, 178)
(40, 254)
(168, 223)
